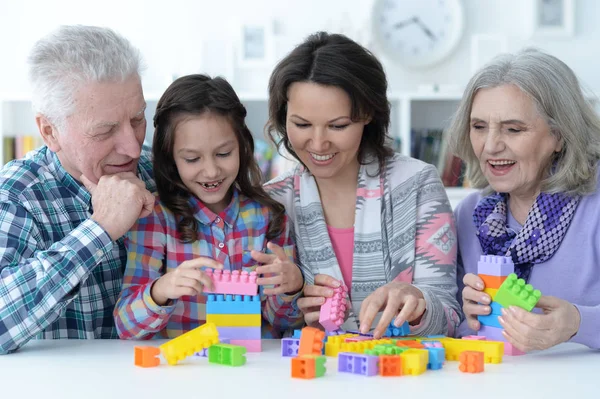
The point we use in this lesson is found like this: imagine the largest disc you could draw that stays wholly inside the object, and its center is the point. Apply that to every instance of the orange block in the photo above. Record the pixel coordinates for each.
(492, 281)
(311, 341)
(471, 362)
(410, 344)
(390, 365)
(146, 356)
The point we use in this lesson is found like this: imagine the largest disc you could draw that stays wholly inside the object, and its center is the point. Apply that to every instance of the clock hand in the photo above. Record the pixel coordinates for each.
(427, 31)
(402, 24)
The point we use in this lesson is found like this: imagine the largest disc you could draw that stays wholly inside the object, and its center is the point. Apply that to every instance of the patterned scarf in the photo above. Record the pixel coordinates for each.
(546, 225)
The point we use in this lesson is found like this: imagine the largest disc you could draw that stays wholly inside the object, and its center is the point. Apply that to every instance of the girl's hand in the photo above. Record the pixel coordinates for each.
(473, 298)
(186, 279)
(392, 298)
(314, 297)
(282, 273)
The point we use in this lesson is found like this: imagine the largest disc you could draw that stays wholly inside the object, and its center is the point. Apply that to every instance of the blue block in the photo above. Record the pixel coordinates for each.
(436, 358)
(232, 304)
(297, 334)
(496, 308)
(490, 320)
(393, 331)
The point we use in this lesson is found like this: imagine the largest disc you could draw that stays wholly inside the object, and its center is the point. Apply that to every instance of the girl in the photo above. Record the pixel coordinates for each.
(210, 212)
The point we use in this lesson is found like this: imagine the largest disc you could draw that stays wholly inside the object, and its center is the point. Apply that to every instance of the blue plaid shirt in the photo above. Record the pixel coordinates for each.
(60, 273)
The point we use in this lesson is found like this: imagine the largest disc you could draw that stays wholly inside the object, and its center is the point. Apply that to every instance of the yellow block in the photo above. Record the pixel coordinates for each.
(414, 361)
(234, 320)
(189, 343)
(492, 350)
(491, 292)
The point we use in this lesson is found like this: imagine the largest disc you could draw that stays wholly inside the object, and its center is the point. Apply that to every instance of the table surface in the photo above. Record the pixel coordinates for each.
(104, 368)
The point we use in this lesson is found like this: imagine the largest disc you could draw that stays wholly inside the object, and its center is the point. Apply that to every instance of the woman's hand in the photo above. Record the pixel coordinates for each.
(475, 301)
(314, 297)
(528, 331)
(185, 279)
(282, 273)
(392, 298)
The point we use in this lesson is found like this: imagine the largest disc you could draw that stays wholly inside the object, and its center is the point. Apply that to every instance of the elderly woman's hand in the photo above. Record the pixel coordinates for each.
(314, 297)
(475, 301)
(392, 298)
(531, 331)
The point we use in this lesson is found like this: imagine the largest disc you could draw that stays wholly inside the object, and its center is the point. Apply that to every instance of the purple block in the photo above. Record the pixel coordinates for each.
(358, 364)
(491, 333)
(239, 332)
(204, 352)
(493, 265)
(289, 347)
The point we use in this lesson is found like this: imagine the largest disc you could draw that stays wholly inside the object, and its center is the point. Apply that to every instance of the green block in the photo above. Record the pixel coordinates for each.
(389, 349)
(320, 366)
(515, 292)
(229, 355)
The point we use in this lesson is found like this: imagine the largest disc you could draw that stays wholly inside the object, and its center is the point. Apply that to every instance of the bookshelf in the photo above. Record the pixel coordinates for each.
(411, 112)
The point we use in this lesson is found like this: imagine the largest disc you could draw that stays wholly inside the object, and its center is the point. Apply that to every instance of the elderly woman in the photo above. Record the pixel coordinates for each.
(378, 221)
(531, 142)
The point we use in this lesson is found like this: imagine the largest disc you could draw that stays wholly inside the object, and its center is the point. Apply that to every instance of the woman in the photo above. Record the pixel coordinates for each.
(531, 142)
(378, 221)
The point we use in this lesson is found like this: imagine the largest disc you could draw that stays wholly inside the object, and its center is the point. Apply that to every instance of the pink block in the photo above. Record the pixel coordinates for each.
(251, 345)
(510, 350)
(232, 282)
(475, 337)
(358, 339)
(333, 311)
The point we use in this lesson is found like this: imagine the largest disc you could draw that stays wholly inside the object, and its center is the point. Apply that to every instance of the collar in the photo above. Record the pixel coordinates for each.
(206, 216)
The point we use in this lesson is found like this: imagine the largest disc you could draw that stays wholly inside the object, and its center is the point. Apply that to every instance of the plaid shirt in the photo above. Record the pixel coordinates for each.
(60, 273)
(227, 237)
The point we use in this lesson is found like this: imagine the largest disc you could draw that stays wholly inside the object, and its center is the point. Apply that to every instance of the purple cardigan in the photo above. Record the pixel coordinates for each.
(572, 274)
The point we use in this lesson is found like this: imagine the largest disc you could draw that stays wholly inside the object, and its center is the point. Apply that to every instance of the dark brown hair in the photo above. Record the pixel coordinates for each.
(194, 95)
(335, 60)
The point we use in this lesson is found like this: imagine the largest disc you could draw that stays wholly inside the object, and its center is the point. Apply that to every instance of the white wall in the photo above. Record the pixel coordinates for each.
(170, 33)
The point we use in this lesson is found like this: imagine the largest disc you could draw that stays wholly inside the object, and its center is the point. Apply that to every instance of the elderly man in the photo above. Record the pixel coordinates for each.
(65, 207)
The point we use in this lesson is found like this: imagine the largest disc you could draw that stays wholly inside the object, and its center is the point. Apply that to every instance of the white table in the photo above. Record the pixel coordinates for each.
(104, 368)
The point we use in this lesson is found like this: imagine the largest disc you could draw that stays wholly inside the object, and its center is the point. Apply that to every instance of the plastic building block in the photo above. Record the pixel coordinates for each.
(492, 350)
(489, 320)
(388, 349)
(239, 332)
(204, 352)
(146, 356)
(333, 311)
(393, 331)
(471, 362)
(358, 364)
(431, 344)
(492, 281)
(358, 339)
(515, 292)
(336, 332)
(234, 320)
(227, 354)
(232, 282)
(410, 344)
(390, 365)
(491, 333)
(496, 308)
(189, 343)
(474, 337)
(493, 265)
(232, 304)
(251, 345)
(414, 361)
(436, 358)
(289, 347)
(308, 367)
(297, 334)
(510, 350)
(492, 292)
(311, 341)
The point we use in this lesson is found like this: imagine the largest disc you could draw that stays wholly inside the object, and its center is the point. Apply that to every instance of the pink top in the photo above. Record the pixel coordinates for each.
(343, 246)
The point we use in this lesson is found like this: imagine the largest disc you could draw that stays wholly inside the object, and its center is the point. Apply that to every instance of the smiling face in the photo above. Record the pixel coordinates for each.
(206, 152)
(512, 141)
(105, 133)
(320, 129)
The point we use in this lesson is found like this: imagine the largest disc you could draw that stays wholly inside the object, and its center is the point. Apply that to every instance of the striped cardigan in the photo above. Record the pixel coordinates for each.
(404, 231)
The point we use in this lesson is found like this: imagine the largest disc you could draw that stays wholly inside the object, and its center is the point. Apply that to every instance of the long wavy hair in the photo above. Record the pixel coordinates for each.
(195, 95)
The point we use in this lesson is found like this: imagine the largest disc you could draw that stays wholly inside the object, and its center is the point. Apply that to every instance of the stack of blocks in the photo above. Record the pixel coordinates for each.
(505, 289)
(234, 307)
(309, 362)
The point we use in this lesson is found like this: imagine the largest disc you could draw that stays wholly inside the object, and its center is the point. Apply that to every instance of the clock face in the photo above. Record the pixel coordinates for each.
(417, 33)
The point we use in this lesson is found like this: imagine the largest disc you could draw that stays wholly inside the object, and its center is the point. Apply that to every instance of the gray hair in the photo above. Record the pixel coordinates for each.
(74, 55)
(558, 96)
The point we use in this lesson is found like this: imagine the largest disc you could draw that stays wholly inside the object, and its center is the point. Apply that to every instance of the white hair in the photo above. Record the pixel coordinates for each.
(74, 55)
(557, 94)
